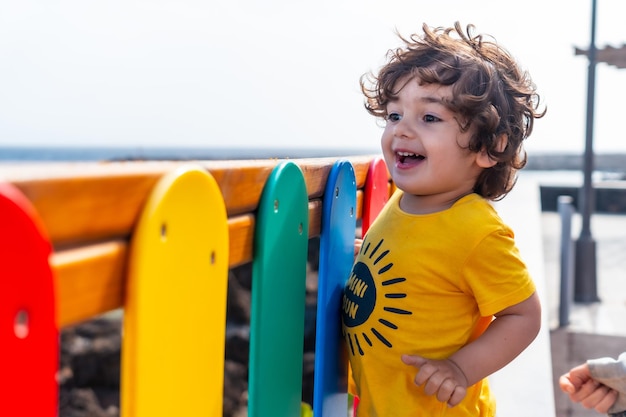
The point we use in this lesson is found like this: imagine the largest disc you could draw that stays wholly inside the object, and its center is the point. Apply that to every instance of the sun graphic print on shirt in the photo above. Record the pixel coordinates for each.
(362, 294)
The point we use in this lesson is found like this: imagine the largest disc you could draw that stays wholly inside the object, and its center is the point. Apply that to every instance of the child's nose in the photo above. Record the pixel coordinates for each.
(403, 129)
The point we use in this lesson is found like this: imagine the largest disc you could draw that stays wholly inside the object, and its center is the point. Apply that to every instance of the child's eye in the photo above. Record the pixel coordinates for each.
(429, 118)
(394, 117)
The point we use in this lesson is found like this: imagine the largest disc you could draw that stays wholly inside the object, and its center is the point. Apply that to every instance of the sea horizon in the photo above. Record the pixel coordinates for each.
(138, 153)
(610, 162)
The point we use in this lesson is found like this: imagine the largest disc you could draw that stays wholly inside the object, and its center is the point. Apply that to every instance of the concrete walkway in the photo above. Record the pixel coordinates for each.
(607, 316)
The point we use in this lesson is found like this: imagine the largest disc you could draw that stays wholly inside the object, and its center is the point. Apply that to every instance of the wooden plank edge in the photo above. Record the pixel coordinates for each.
(78, 206)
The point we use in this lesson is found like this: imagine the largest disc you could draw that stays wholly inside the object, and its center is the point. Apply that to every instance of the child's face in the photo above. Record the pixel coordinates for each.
(425, 151)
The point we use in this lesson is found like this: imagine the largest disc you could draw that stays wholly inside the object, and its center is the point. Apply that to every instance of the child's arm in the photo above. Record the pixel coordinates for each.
(506, 337)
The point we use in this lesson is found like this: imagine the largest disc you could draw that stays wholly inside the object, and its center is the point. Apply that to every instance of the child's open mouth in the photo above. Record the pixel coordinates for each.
(407, 158)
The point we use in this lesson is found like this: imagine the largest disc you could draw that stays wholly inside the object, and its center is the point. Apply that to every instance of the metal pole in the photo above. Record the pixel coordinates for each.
(566, 210)
(585, 277)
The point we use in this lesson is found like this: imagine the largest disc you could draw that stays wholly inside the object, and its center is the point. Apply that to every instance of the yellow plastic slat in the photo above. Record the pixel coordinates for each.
(175, 307)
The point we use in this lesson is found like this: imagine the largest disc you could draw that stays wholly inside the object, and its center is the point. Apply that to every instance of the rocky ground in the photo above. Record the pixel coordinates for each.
(90, 353)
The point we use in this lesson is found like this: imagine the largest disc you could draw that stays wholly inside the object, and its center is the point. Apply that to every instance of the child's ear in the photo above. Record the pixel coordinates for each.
(484, 160)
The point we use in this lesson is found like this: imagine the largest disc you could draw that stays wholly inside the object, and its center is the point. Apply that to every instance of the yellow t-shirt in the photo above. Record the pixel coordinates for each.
(427, 285)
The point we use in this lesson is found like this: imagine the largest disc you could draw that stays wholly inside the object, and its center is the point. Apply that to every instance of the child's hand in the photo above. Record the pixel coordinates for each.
(583, 389)
(441, 377)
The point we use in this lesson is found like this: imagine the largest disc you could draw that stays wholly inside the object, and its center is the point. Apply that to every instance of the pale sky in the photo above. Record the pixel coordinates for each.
(273, 73)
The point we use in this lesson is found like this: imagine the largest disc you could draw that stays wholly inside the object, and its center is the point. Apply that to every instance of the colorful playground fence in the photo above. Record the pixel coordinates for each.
(157, 238)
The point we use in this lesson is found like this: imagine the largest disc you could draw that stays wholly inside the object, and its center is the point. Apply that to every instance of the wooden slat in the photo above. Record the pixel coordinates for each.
(90, 280)
(241, 237)
(315, 217)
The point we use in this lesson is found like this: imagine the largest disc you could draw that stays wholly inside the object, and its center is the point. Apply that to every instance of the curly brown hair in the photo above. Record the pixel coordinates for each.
(491, 94)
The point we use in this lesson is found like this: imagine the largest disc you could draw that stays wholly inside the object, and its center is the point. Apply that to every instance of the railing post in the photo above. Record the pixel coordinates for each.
(566, 209)
(29, 334)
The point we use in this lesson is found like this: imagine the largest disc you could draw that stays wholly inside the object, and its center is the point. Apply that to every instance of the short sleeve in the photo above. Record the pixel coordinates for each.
(495, 273)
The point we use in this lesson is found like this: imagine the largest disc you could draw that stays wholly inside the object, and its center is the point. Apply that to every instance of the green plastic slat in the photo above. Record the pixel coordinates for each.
(278, 295)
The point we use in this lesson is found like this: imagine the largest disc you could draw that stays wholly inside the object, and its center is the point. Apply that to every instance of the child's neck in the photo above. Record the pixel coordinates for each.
(428, 204)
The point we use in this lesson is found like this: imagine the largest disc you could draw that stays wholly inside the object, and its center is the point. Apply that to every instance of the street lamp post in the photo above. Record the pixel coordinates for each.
(585, 288)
